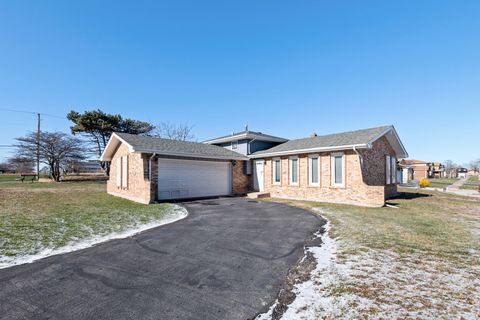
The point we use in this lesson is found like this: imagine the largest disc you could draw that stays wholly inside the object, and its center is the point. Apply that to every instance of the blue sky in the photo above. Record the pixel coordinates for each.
(288, 68)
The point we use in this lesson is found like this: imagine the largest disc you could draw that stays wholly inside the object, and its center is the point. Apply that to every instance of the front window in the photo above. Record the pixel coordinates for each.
(234, 145)
(388, 170)
(313, 170)
(276, 171)
(394, 169)
(338, 174)
(294, 171)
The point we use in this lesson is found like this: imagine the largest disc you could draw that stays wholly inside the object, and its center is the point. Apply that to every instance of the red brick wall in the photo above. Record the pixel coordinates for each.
(241, 183)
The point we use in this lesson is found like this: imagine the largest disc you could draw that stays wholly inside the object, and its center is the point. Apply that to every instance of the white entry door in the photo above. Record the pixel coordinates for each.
(193, 179)
(258, 175)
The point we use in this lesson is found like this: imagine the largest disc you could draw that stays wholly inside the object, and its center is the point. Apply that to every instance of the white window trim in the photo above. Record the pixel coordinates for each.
(273, 172)
(290, 182)
(310, 157)
(388, 169)
(332, 169)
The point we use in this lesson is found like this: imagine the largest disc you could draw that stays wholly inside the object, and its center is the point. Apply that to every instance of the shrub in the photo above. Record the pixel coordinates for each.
(424, 183)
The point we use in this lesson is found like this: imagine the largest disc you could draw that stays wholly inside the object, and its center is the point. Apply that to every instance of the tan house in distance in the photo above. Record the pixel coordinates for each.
(356, 167)
(424, 169)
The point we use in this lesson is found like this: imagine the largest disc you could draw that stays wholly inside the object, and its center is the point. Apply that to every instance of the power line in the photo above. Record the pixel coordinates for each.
(19, 111)
(35, 113)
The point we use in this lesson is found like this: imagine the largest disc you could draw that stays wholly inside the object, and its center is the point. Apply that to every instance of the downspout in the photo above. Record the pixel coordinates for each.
(359, 156)
(249, 150)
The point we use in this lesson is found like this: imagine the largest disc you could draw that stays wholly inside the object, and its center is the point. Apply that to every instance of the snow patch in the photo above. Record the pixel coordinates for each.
(382, 284)
(307, 292)
(175, 213)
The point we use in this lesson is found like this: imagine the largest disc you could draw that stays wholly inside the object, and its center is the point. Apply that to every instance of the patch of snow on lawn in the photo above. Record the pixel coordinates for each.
(382, 284)
(176, 213)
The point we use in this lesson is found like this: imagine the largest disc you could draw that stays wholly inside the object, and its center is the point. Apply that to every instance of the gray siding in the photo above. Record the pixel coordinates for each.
(261, 145)
(241, 147)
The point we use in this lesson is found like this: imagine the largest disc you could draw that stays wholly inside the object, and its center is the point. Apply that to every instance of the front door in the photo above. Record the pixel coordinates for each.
(258, 175)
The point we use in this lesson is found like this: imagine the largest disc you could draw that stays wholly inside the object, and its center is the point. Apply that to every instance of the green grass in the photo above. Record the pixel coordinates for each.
(442, 182)
(429, 223)
(472, 183)
(8, 177)
(34, 216)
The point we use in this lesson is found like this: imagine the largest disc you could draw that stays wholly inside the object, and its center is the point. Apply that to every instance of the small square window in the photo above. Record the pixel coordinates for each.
(234, 145)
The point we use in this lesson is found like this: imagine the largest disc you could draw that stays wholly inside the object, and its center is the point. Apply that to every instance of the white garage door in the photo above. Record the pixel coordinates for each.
(191, 179)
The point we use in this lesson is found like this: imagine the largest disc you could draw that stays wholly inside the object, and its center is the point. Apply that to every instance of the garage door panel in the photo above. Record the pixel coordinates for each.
(191, 178)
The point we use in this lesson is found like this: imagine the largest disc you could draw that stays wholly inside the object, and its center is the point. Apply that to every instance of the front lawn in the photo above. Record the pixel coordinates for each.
(472, 183)
(38, 216)
(441, 182)
(418, 260)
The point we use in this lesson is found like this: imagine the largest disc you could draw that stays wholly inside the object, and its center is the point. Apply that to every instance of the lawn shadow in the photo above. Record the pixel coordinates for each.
(406, 196)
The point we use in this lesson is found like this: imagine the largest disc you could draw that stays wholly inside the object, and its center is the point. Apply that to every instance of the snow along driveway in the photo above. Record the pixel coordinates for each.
(174, 213)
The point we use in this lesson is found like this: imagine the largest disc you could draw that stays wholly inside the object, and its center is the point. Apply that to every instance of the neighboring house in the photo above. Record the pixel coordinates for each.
(462, 173)
(423, 169)
(420, 168)
(404, 173)
(357, 167)
(472, 172)
(436, 170)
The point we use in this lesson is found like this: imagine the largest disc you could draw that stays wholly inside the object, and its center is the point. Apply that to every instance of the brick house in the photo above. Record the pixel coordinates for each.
(356, 167)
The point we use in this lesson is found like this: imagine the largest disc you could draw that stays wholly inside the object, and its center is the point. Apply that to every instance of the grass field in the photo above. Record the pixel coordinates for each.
(442, 182)
(8, 177)
(36, 216)
(419, 260)
(472, 183)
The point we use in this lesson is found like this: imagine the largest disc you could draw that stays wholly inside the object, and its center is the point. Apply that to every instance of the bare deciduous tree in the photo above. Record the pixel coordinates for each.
(21, 164)
(450, 168)
(182, 132)
(56, 150)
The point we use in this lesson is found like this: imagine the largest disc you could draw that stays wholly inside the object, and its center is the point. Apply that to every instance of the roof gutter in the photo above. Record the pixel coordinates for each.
(191, 155)
(290, 152)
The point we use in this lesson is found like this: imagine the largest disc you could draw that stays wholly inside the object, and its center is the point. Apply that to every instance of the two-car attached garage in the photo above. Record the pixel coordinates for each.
(152, 169)
(179, 178)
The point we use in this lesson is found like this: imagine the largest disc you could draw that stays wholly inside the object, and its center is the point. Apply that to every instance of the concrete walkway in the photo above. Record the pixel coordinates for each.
(455, 189)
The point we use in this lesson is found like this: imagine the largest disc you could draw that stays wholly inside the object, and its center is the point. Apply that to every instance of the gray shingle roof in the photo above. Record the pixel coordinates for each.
(180, 148)
(357, 137)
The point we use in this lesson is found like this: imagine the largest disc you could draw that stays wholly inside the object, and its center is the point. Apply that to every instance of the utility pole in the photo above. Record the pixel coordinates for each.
(38, 146)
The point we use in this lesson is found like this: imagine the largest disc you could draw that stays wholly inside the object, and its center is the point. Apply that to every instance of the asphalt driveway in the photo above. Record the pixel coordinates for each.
(226, 260)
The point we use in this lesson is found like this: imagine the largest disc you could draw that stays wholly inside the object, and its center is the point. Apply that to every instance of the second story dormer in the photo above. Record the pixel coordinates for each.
(247, 142)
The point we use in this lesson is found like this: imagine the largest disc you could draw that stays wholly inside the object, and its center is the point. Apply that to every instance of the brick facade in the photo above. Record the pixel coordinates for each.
(365, 178)
(139, 187)
(365, 181)
(241, 183)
